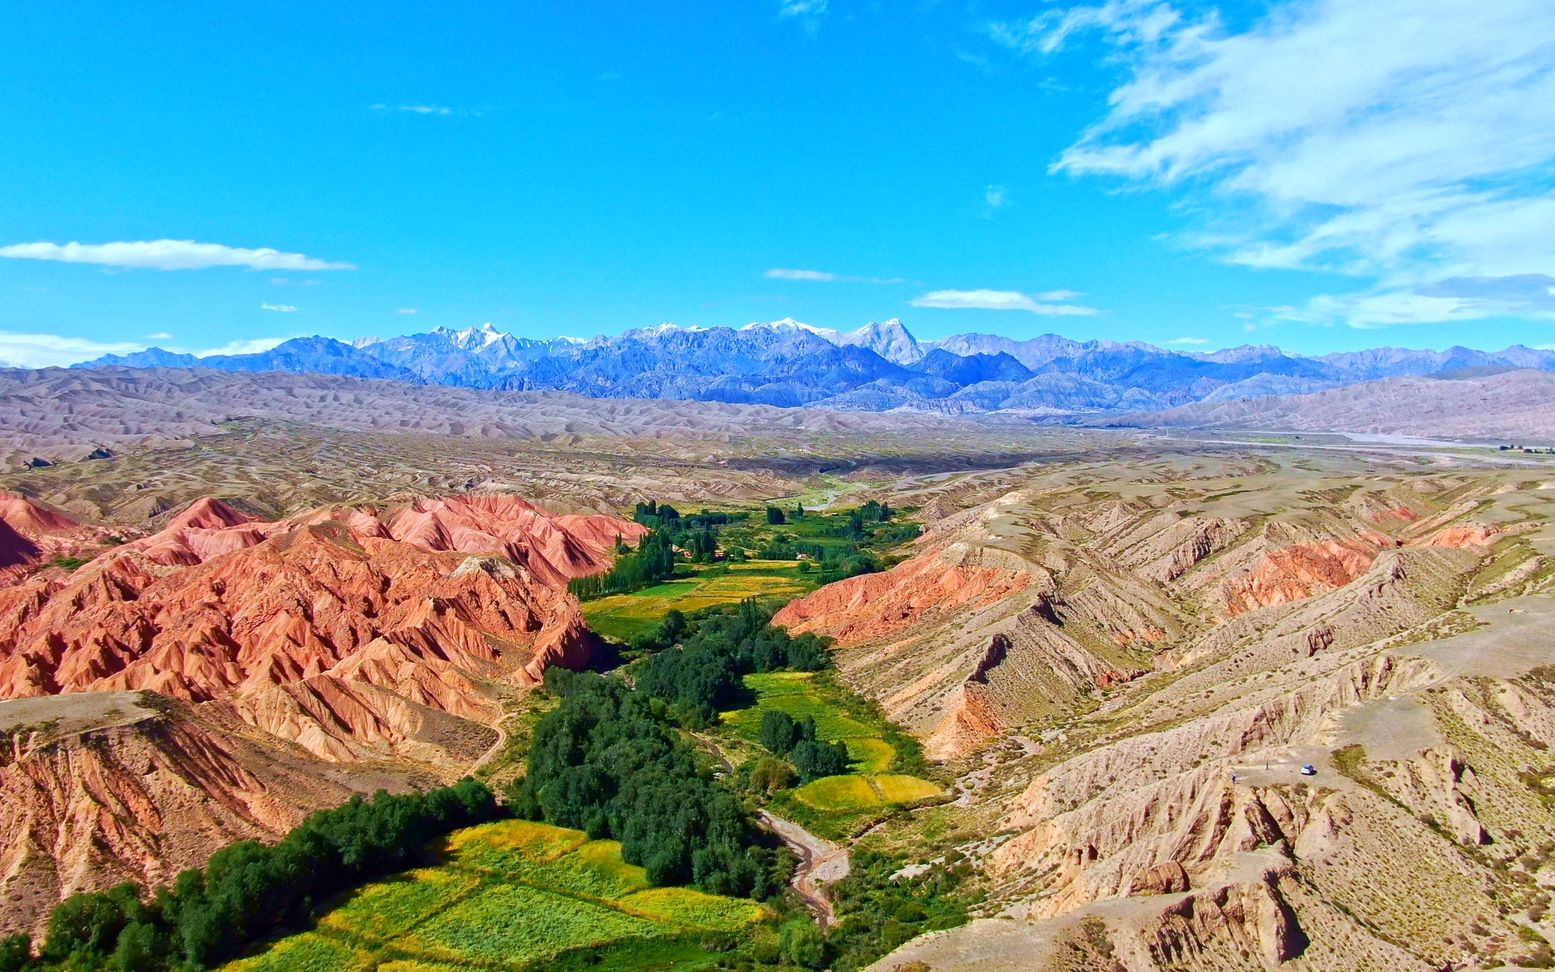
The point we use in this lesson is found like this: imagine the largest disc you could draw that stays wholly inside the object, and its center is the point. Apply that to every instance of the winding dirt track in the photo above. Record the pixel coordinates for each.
(821, 862)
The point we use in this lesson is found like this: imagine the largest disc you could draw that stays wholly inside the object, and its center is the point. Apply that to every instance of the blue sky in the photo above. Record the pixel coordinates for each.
(1318, 175)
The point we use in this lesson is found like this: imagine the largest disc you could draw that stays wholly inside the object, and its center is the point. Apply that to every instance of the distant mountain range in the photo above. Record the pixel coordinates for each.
(878, 367)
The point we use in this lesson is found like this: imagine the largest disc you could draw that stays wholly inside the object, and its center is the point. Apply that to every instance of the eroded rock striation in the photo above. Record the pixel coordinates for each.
(364, 636)
(1167, 647)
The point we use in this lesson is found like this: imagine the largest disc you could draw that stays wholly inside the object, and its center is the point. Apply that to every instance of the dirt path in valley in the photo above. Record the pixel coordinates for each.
(490, 754)
(821, 862)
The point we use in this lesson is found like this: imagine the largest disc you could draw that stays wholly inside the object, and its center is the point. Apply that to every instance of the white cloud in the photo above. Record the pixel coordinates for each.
(1004, 300)
(1402, 141)
(824, 276)
(279, 308)
(158, 336)
(1189, 340)
(56, 351)
(994, 197)
(802, 8)
(783, 273)
(406, 310)
(441, 110)
(168, 255)
(53, 350)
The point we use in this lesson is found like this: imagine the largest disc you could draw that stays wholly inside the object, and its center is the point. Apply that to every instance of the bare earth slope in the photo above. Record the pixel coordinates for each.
(1513, 405)
(57, 413)
(379, 638)
(1129, 664)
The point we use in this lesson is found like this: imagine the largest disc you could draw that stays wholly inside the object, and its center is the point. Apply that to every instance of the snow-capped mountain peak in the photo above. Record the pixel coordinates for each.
(789, 324)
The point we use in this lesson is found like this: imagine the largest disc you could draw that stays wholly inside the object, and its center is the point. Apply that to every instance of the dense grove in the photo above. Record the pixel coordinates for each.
(652, 561)
(830, 547)
(248, 891)
(697, 665)
(795, 738)
(608, 761)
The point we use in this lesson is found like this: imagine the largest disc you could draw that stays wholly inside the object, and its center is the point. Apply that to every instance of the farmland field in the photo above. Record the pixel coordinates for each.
(624, 616)
(515, 895)
(871, 743)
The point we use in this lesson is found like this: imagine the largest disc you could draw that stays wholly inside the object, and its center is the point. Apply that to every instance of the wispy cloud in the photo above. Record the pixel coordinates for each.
(279, 308)
(168, 255)
(1189, 341)
(1005, 300)
(995, 197)
(22, 350)
(808, 12)
(440, 110)
(976, 60)
(406, 310)
(825, 276)
(54, 350)
(1417, 148)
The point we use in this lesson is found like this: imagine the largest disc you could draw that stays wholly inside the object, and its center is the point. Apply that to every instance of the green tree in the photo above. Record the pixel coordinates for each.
(802, 944)
(16, 953)
(771, 775)
(775, 516)
(778, 731)
(814, 759)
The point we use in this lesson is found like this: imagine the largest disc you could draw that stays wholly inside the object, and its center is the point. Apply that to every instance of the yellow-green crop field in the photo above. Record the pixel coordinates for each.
(871, 786)
(515, 895)
(625, 616)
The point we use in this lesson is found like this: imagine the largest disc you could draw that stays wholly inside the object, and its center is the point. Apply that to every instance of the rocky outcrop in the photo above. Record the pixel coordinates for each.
(217, 606)
(1296, 573)
(937, 582)
(32, 536)
(139, 791)
(278, 666)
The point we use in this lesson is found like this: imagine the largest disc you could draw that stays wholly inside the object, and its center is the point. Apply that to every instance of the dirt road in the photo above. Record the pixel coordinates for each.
(821, 862)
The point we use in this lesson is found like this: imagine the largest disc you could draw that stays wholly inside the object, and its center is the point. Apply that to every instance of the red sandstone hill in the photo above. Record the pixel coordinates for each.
(290, 621)
(31, 535)
(380, 637)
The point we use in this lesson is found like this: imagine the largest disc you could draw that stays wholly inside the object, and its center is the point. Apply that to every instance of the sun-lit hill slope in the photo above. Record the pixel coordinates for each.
(1510, 405)
(349, 636)
(1102, 648)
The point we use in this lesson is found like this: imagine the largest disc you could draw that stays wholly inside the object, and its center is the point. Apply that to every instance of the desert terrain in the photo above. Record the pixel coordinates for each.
(1116, 650)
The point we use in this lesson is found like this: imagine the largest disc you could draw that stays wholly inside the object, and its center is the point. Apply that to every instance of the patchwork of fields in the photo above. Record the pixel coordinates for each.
(622, 617)
(872, 786)
(516, 895)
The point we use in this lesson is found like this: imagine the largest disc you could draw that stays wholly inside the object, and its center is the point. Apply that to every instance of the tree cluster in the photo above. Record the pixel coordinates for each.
(608, 762)
(652, 562)
(248, 891)
(700, 673)
(795, 738)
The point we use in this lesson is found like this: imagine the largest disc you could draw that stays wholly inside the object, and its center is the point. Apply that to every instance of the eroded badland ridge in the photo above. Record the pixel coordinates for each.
(217, 678)
(1133, 663)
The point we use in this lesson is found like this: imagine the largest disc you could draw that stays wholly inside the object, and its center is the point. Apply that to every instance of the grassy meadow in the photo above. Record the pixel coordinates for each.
(622, 617)
(516, 895)
(834, 805)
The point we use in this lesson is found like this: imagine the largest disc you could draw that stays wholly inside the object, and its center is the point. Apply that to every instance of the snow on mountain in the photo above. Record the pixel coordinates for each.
(889, 338)
(877, 366)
